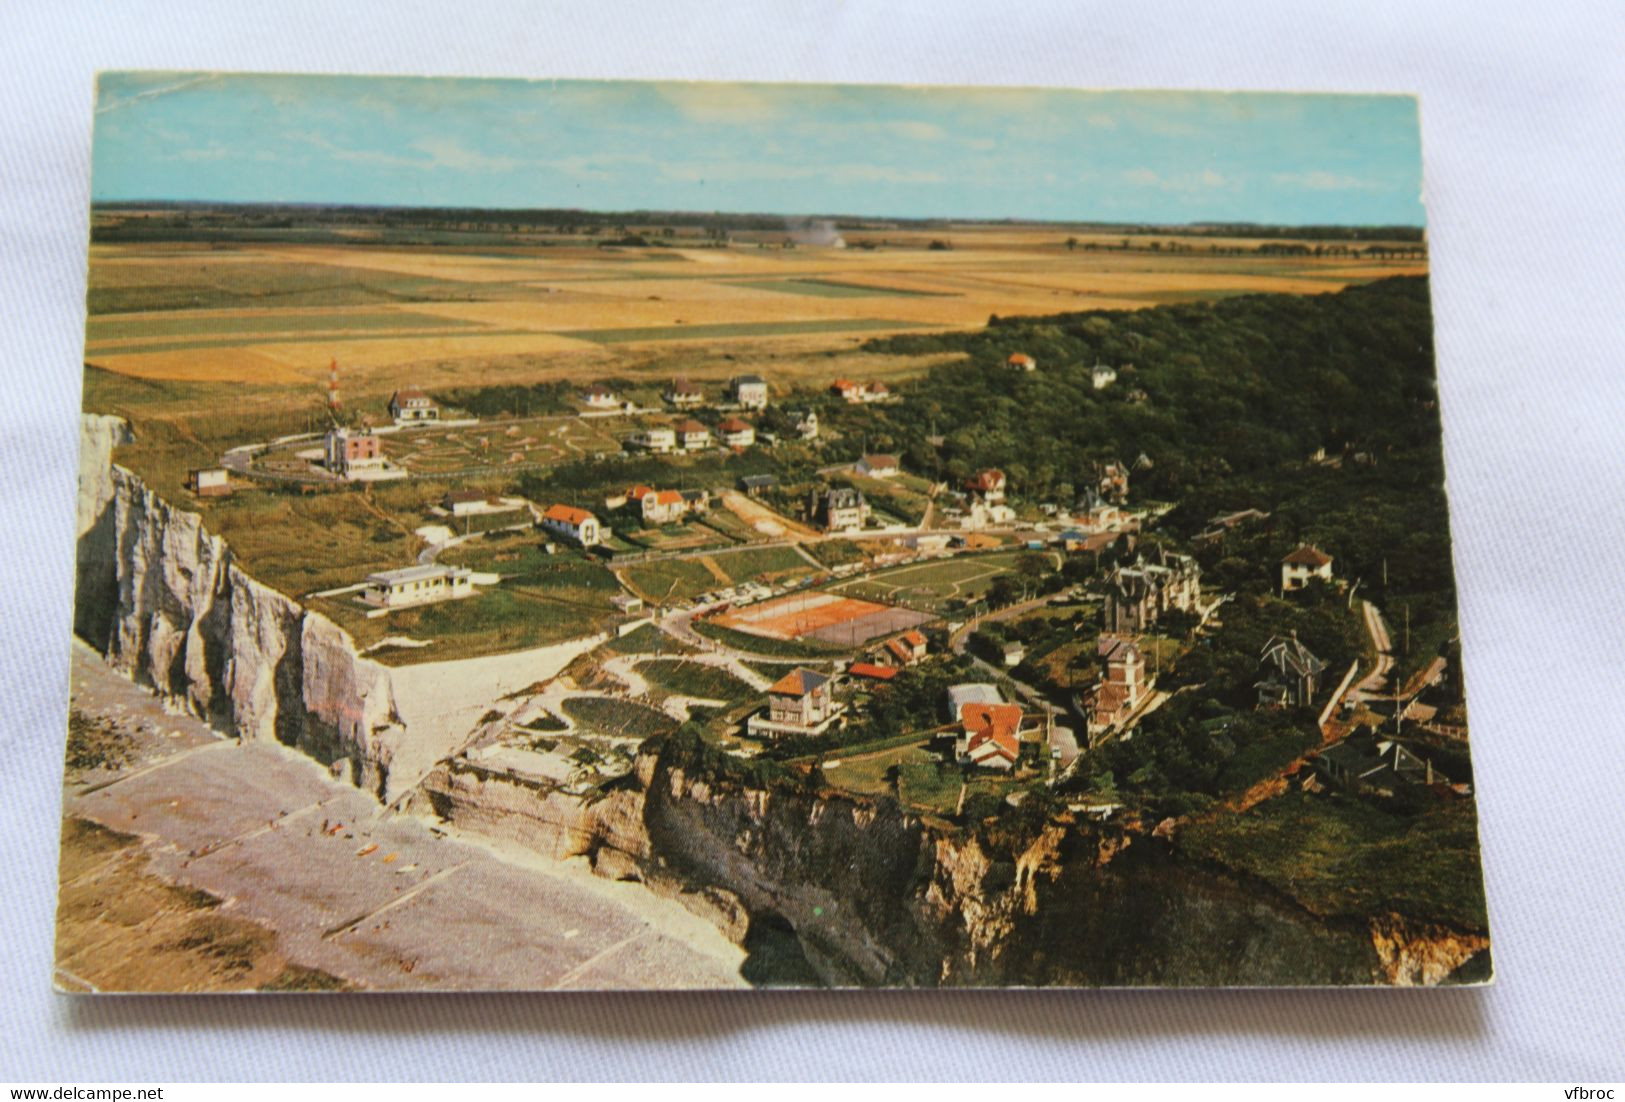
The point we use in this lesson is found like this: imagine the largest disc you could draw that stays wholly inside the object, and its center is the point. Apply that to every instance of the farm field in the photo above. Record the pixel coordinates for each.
(276, 311)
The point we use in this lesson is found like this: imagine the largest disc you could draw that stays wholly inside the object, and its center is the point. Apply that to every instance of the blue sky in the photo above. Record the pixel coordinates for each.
(793, 149)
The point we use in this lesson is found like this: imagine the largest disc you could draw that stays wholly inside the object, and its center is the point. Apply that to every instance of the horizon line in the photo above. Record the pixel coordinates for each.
(1008, 219)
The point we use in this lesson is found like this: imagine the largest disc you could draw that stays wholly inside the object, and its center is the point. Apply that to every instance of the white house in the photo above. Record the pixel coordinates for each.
(208, 481)
(805, 422)
(749, 391)
(658, 506)
(736, 433)
(684, 394)
(802, 702)
(659, 439)
(417, 585)
(1102, 376)
(1303, 563)
(691, 435)
(599, 397)
(577, 524)
(410, 405)
(1020, 361)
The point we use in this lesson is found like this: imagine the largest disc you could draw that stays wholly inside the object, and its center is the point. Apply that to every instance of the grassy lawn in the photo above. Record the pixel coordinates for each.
(671, 579)
(673, 675)
(726, 524)
(836, 552)
(677, 537)
(498, 619)
(765, 564)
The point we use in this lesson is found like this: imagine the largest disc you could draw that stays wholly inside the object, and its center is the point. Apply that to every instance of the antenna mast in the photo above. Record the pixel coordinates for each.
(333, 403)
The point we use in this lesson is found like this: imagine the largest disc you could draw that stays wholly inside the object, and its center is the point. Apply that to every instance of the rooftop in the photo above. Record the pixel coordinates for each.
(1307, 555)
(569, 514)
(798, 682)
(413, 574)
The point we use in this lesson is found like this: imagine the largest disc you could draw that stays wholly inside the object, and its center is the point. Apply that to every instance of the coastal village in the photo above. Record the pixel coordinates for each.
(894, 629)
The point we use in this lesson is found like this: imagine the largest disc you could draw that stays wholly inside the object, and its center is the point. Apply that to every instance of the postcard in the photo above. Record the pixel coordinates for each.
(542, 535)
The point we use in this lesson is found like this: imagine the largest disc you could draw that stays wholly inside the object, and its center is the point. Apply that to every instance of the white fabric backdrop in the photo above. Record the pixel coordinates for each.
(1525, 148)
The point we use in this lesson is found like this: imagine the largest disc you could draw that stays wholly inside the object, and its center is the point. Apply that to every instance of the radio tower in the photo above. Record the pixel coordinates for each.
(333, 404)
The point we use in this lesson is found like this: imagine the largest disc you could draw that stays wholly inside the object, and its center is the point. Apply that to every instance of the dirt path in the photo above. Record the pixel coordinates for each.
(765, 520)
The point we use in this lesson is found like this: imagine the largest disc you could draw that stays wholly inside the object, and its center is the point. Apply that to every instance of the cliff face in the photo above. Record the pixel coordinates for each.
(869, 894)
(163, 600)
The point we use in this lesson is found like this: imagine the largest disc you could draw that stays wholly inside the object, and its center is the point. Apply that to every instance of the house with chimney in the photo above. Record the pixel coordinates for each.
(735, 433)
(802, 702)
(1303, 563)
(1121, 688)
(1138, 593)
(682, 394)
(573, 523)
(1292, 674)
(841, 509)
(411, 406)
(691, 435)
(748, 391)
(989, 736)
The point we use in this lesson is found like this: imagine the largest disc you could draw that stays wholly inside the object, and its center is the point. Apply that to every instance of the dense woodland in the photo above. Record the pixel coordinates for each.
(1229, 401)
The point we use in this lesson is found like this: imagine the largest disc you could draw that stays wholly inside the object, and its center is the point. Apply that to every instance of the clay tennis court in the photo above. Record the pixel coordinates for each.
(822, 616)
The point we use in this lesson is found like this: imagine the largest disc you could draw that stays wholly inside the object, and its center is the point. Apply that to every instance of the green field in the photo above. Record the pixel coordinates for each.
(829, 288)
(671, 579)
(197, 325)
(685, 579)
(768, 564)
(926, 781)
(675, 676)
